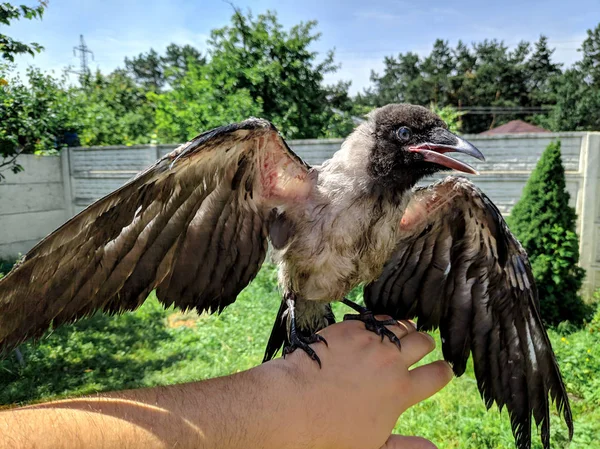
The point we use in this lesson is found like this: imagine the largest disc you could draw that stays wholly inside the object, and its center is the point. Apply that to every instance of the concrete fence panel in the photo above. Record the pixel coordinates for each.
(32, 204)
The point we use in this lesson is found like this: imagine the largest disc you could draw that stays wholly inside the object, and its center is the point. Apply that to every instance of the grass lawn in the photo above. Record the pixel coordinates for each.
(156, 347)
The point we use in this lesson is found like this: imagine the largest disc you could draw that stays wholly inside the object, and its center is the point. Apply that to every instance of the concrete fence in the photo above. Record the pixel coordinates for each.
(53, 189)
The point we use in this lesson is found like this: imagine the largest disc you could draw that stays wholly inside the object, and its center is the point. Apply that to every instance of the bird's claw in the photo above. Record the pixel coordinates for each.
(374, 325)
(297, 341)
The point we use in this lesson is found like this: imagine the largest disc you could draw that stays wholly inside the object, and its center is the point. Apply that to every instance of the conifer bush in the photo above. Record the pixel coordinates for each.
(544, 223)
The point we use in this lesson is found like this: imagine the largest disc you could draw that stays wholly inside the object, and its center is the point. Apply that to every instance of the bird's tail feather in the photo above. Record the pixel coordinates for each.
(279, 334)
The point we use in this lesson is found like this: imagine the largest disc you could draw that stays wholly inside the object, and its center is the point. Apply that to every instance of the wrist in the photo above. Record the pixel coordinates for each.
(291, 413)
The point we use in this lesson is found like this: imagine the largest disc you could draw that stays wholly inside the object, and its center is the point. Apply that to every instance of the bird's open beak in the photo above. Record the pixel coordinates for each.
(442, 141)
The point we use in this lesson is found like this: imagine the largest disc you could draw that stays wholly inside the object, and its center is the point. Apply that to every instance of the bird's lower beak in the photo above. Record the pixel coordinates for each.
(442, 141)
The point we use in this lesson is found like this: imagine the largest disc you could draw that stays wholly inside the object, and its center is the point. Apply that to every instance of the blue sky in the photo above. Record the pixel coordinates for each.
(362, 32)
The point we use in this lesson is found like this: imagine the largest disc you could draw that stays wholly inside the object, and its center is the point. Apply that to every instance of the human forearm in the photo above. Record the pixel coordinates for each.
(228, 412)
(352, 402)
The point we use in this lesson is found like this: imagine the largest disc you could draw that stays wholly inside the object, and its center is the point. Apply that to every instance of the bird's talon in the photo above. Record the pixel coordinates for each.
(320, 339)
(390, 322)
(377, 326)
(303, 343)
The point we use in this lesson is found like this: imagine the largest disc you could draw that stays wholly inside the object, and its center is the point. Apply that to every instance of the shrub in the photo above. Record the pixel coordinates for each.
(450, 115)
(545, 224)
(6, 265)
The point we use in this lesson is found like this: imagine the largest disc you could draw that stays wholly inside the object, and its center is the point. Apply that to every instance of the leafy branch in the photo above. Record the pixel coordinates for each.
(10, 47)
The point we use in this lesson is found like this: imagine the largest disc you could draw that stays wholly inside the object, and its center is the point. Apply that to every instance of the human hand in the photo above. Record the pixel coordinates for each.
(353, 402)
(364, 385)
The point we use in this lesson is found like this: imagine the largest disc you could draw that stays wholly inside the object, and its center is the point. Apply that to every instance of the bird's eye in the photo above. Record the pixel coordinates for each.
(404, 133)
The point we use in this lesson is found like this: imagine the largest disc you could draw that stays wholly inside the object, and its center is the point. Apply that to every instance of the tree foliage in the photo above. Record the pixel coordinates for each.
(147, 70)
(10, 47)
(196, 104)
(490, 75)
(35, 117)
(485, 74)
(153, 72)
(10, 106)
(545, 224)
(451, 116)
(277, 68)
(576, 92)
(113, 110)
(255, 67)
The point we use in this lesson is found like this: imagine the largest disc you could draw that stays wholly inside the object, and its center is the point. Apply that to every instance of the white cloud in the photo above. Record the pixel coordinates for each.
(378, 15)
(408, 10)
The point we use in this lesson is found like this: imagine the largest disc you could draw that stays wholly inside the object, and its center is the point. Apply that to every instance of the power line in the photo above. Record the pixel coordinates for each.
(504, 110)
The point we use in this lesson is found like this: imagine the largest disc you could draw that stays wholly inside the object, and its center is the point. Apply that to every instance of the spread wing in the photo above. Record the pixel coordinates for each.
(459, 268)
(193, 226)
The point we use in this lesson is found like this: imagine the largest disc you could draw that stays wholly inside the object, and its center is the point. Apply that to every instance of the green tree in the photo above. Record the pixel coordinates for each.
(590, 63)
(347, 113)
(34, 117)
(256, 67)
(577, 104)
(10, 47)
(577, 91)
(154, 72)
(464, 79)
(401, 82)
(451, 116)
(195, 104)
(437, 69)
(501, 81)
(277, 68)
(147, 69)
(544, 223)
(485, 74)
(113, 110)
(178, 58)
(540, 70)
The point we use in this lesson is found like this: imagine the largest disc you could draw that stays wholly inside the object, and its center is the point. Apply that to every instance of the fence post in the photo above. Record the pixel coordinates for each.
(65, 156)
(589, 246)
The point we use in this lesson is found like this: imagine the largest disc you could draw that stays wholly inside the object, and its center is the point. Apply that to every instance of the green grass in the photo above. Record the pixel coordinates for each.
(153, 346)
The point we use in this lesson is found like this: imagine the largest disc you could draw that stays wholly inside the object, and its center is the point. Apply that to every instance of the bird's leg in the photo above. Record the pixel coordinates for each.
(297, 340)
(371, 323)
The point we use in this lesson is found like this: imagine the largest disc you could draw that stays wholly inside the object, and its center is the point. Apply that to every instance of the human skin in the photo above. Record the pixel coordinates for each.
(353, 402)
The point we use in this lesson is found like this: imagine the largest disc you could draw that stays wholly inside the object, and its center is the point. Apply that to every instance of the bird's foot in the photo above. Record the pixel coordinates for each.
(298, 341)
(373, 324)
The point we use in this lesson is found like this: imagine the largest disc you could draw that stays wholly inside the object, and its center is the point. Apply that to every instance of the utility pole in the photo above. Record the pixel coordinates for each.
(83, 51)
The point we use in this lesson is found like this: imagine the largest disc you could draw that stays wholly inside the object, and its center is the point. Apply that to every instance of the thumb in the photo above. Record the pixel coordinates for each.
(402, 442)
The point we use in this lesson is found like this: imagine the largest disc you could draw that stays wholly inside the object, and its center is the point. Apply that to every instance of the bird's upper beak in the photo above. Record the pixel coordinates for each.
(442, 141)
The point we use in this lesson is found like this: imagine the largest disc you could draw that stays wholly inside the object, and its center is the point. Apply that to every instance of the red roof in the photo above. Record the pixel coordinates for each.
(514, 127)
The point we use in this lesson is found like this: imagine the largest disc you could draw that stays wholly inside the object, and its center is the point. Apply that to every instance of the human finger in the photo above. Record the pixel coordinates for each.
(415, 346)
(428, 379)
(399, 328)
(403, 442)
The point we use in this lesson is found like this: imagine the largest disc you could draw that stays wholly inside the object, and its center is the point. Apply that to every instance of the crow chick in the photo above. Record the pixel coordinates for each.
(195, 226)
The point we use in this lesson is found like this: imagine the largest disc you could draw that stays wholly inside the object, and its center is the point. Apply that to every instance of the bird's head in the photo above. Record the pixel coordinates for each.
(409, 142)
